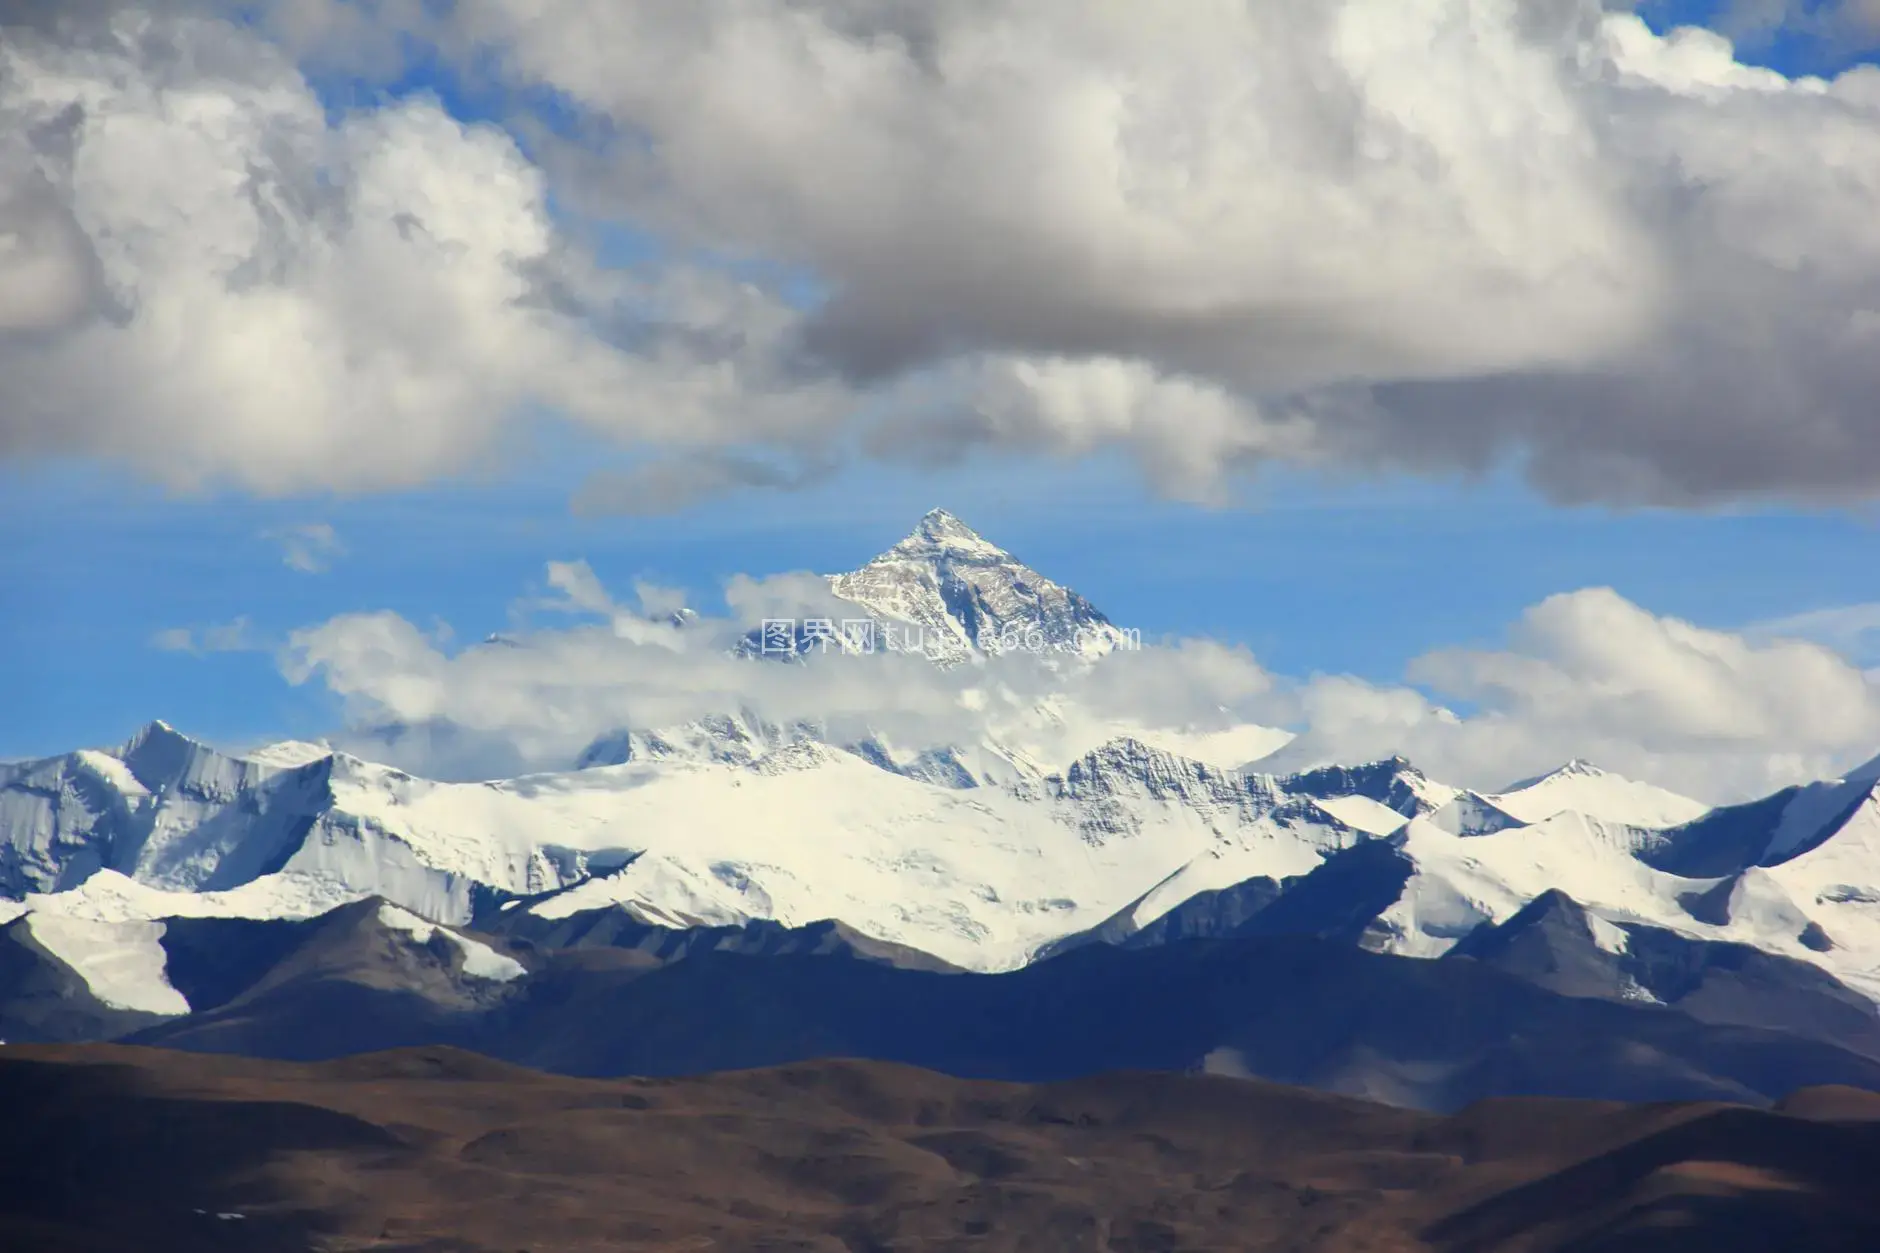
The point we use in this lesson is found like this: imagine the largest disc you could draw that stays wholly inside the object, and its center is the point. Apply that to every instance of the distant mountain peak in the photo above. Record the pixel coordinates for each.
(1596, 793)
(1392, 782)
(153, 737)
(1357, 775)
(1578, 768)
(964, 596)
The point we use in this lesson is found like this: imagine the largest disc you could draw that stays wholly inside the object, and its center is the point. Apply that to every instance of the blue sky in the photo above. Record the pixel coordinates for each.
(1314, 574)
(1789, 50)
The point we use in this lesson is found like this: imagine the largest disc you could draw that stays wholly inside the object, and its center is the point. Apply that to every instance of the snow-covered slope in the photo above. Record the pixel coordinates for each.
(121, 963)
(480, 961)
(977, 876)
(961, 593)
(1583, 788)
(1820, 906)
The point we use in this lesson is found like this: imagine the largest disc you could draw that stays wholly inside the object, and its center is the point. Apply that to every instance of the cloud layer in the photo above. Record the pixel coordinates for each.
(1718, 715)
(1428, 235)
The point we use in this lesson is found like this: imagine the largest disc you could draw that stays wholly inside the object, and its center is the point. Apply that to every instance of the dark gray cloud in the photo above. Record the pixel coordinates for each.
(1434, 237)
(670, 484)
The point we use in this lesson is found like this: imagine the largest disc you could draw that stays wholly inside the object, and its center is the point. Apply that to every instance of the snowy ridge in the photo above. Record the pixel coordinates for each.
(980, 872)
(980, 875)
(156, 809)
(289, 754)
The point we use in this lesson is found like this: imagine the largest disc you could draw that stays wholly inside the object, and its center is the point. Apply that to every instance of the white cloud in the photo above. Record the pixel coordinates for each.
(538, 698)
(1432, 234)
(223, 285)
(1716, 714)
(310, 548)
(48, 273)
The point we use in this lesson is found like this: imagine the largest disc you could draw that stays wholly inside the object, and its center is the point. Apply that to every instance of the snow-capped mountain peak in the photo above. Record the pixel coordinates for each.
(939, 532)
(1582, 787)
(1578, 768)
(1392, 782)
(950, 593)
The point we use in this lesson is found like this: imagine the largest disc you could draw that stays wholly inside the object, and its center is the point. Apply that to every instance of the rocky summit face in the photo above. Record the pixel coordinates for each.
(948, 593)
(961, 594)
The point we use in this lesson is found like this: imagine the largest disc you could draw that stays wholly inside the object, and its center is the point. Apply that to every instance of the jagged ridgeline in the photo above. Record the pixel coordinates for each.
(735, 833)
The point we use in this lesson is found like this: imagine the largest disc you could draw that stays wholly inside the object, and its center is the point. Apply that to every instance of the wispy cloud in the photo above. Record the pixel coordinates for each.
(1851, 630)
(228, 637)
(311, 548)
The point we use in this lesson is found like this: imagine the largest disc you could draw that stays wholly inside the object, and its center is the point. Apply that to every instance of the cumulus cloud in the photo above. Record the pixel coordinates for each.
(310, 548)
(223, 284)
(538, 696)
(1434, 235)
(1720, 715)
(49, 276)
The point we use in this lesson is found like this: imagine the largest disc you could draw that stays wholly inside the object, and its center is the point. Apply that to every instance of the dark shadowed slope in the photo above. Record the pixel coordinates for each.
(1429, 1034)
(616, 928)
(1553, 942)
(115, 1150)
(345, 982)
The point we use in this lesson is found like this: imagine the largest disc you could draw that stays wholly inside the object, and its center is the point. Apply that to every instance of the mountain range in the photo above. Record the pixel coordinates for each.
(1581, 929)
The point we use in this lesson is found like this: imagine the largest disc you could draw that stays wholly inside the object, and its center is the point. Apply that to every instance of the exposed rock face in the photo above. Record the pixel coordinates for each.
(950, 595)
(1393, 783)
(956, 594)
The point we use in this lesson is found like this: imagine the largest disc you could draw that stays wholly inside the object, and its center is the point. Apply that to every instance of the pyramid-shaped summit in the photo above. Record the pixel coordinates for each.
(951, 594)
(940, 532)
